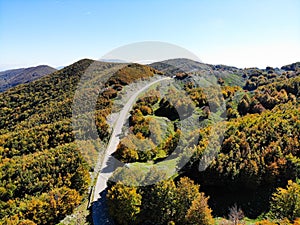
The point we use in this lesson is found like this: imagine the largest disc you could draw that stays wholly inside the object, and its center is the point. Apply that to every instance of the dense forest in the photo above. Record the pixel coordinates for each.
(44, 175)
(254, 178)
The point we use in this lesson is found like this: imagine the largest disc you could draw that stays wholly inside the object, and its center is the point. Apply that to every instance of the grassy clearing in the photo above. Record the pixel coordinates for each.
(168, 166)
(245, 221)
(233, 80)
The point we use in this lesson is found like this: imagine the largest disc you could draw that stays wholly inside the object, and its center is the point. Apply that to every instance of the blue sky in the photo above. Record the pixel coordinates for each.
(234, 32)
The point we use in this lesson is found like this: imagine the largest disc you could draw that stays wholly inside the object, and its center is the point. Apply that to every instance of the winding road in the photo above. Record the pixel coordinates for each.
(109, 163)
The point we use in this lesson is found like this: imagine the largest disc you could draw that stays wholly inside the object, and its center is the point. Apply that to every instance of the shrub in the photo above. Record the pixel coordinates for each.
(285, 202)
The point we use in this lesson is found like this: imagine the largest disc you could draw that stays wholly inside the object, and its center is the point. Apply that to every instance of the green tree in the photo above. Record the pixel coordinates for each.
(186, 193)
(160, 207)
(199, 212)
(124, 203)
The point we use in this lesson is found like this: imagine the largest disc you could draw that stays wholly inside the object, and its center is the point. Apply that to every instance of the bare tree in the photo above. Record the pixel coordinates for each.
(235, 215)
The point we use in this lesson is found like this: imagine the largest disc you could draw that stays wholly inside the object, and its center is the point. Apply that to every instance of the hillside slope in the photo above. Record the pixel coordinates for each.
(259, 150)
(44, 174)
(40, 160)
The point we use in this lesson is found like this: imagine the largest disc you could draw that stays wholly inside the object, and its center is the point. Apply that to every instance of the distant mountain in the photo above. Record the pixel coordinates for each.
(60, 67)
(113, 60)
(11, 78)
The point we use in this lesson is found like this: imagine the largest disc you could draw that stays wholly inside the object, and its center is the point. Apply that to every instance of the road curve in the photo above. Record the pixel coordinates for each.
(109, 163)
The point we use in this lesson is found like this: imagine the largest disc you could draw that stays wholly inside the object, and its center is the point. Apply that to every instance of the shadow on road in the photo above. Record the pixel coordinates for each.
(111, 165)
(100, 213)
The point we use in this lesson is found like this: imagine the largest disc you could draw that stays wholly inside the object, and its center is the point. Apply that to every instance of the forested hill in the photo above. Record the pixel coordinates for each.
(12, 78)
(44, 176)
(39, 162)
(44, 101)
(254, 179)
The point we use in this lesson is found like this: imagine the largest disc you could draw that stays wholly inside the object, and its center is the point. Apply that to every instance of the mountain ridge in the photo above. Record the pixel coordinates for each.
(14, 77)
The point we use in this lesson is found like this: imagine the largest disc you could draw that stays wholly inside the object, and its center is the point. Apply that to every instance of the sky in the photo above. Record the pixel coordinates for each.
(242, 33)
